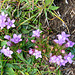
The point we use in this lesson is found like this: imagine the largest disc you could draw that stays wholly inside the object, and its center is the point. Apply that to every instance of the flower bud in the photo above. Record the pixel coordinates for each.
(43, 46)
(36, 46)
(44, 50)
(56, 49)
(43, 36)
(33, 41)
(62, 51)
(26, 40)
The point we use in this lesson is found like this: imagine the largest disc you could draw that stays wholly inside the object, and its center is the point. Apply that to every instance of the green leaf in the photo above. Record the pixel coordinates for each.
(47, 2)
(26, 73)
(28, 68)
(53, 8)
(24, 31)
(10, 71)
(3, 43)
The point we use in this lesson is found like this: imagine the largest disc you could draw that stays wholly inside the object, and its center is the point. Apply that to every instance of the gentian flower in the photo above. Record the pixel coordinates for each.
(7, 52)
(69, 57)
(2, 20)
(9, 23)
(36, 33)
(63, 62)
(69, 44)
(58, 59)
(53, 59)
(60, 42)
(37, 54)
(16, 38)
(2, 24)
(3, 16)
(7, 37)
(63, 36)
(19, 51)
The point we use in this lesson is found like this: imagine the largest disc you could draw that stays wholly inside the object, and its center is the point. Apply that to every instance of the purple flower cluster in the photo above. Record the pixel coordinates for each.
(62, 38)
(60, 61)
(5, 21)
(7, 52)
(16, 39)
(35, 52)
(36, 33)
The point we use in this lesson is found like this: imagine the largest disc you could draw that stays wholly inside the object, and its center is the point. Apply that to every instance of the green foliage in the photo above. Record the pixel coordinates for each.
(10, 71)
(53, 7)
(47, 2)
(3, 43)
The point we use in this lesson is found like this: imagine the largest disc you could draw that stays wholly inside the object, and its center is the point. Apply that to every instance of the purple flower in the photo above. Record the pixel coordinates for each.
(7, 37)
(2, 20)
(16, 38)
(9, 23)
(3, 49)
(36, 33)
(19, 51)
(63, 36)
(63, 62)
(58, 59)
(2, 24)
(31, 51)
(3, 16)
(60, 42)
(69, 44)
(69, 57)
(7, 52)
(37, 54)
(9, 43)
(53, 59)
